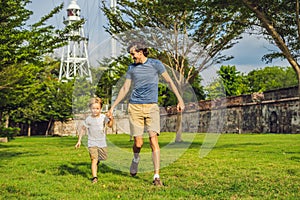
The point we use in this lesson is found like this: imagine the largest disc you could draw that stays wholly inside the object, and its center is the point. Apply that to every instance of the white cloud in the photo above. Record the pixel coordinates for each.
(248, 54)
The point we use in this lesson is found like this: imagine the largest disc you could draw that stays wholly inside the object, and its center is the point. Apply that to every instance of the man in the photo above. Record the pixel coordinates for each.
(143, 109)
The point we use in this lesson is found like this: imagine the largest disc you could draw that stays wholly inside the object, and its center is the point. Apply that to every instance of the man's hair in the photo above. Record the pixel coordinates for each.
(96, 100)
(138, 46)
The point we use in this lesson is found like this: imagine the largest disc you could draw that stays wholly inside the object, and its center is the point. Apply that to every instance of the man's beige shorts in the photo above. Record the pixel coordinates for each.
(99, 153)
(143, 116)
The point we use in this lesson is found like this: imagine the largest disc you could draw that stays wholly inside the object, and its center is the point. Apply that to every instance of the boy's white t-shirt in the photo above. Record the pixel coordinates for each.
(96, 133)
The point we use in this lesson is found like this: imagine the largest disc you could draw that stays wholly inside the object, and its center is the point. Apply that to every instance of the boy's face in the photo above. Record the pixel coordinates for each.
(136, 55)
(95, 109)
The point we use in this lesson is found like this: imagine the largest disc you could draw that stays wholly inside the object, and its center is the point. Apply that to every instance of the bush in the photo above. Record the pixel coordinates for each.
(9, 132)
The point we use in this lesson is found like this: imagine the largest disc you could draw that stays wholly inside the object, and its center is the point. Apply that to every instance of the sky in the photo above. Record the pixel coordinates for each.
(247, 53)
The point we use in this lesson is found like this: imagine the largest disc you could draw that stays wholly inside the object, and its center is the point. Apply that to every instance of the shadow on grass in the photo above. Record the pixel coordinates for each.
(232, 145)
(103, 168)
(179, 145)
(84, 169)
(74, 169)
(7, 154)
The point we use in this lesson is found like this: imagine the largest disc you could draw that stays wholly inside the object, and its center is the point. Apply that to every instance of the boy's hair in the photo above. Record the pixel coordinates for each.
(96, 100)
(138, 46)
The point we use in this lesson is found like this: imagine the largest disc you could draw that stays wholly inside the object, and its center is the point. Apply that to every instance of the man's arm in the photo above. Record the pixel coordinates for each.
(122, 93)
(180, 105)
(82, 131)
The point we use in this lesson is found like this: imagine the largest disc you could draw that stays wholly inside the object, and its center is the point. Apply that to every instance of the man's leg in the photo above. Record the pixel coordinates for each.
(155, 151)
(155, 157)
(137, 145)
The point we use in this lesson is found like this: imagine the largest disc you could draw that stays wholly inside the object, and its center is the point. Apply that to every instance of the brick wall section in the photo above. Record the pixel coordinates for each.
(276, 111)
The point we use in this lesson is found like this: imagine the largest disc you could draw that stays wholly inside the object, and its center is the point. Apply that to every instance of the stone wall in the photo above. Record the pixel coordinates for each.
(276, 111)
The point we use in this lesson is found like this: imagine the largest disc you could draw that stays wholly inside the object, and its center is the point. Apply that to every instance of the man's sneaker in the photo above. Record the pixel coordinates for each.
(157, 182)
(134, 168)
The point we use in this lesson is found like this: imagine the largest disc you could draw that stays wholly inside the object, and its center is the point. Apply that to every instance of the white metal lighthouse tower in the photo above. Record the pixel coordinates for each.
(74, 60)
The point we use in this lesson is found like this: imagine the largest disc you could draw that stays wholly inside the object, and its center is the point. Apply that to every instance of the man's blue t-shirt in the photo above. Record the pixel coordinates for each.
(145, 81)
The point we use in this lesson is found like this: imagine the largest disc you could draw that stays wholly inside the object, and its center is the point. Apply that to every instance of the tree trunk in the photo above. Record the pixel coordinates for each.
(29, 130)
(6, 121)
(179, 127)
(49, 126)
(1, 114)
(298, 75)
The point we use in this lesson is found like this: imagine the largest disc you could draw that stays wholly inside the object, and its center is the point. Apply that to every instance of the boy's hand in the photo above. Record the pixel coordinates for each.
(109, 114)
(77, 145)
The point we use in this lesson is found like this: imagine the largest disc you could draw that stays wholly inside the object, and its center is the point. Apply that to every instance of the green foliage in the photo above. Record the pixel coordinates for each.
(20, 42)
(111, 78)
(285, 20)
(9, 132)
(218, 26)
(29, 89)
(215, 89)
(270, 78)
(231, 82)
(83, 91)
(282, 15)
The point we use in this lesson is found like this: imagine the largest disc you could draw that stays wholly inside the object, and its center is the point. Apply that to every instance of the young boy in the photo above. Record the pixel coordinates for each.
(95, 124)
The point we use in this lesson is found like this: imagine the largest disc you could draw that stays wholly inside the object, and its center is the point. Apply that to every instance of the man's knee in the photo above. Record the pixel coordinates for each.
(154, 143)
(138, 142)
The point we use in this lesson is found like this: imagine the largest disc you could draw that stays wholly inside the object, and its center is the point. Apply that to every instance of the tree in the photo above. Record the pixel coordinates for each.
(231, 79)
(215, 90)
(281, 24)
(270, 78)
(229, 82)
(188, 35)
(36, 95)
(232, 82)
(20, 42)
(278, 21)
(24, 85)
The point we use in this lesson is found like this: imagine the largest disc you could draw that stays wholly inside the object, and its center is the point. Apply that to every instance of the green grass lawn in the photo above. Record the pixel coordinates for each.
(246, 166)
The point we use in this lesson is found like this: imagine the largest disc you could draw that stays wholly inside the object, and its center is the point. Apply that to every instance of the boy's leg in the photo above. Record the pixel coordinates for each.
(94, 160)
(94, 167)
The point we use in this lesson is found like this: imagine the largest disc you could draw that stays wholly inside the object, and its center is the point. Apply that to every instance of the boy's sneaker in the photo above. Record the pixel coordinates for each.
(157, 182)
(94, 180)
(134, 168)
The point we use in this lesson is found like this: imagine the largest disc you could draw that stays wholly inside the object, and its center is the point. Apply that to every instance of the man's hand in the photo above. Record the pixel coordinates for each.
(180, 107)
(109, 114)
